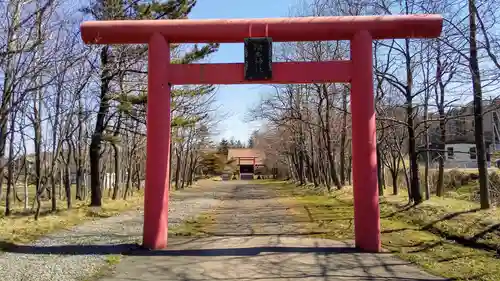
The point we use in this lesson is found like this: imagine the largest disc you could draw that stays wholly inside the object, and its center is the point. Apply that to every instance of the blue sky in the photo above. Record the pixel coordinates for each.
(236, 99)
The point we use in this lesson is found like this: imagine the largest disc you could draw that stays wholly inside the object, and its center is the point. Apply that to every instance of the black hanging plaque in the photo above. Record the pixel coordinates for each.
(258, 58)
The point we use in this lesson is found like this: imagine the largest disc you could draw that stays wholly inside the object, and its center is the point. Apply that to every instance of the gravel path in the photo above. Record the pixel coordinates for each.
(80, 252)
(256, 238)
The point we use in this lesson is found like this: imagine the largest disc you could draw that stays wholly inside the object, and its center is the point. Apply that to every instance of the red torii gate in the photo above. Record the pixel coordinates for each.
(360, 30)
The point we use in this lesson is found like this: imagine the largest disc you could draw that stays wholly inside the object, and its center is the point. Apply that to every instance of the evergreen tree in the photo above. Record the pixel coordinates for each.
(115, 62)
(212, 164)
(250, 143)
(223, 147)
(251, 140)
(239, 144)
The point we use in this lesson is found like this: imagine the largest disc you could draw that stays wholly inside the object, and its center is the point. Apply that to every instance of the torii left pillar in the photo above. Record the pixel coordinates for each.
(158, 144)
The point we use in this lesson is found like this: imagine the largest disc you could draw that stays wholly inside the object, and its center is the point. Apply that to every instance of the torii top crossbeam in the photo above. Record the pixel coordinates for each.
(279, 29)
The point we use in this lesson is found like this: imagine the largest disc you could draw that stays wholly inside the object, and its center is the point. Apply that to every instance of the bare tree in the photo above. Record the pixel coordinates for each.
(478, 109)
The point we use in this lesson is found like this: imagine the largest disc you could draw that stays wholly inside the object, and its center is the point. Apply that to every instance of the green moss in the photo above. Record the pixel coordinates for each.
(113, 259)
(193, 227)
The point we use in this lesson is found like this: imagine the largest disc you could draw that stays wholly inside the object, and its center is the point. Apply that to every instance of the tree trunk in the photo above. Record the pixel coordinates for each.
(129, 181)
(416, 194)
(85, 184)
(192, 167)
(10, 169)
(349, 168)
(117, 160)
(394, 176)
(95, 144)
(53, 199)
(343, 136)
(95, 175)
(314, 176)
(442, 154)
(38, 151)
(67, 179)
(478, 111)
(177, 168)
(300, 164)
(79, 153)
(138, 176)
(427, 154)
(379, 173)
(440, 97)
(185, 166)
(67, 186)
(26, 183)
(61, 182)
(79, 186)
(8, 79)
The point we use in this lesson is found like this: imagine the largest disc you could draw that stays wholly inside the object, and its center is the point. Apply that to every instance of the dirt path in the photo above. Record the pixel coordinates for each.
(255, 238)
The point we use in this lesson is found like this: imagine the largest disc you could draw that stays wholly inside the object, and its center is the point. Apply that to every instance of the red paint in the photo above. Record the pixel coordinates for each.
(364, 154)
(360, 30)
(280, 29)
(283, 73)
(158, 145)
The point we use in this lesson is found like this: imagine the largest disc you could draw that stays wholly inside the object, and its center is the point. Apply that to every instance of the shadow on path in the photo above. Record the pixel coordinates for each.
(137, 250)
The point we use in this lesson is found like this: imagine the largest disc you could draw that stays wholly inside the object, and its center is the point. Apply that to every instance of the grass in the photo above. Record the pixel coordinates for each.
(195, 227)
(21, 228)
(451, 218)
(113, 259)
(433, 235)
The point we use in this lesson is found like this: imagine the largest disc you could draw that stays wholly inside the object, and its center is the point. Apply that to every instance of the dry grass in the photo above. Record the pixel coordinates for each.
(444, 236)
(21, 227)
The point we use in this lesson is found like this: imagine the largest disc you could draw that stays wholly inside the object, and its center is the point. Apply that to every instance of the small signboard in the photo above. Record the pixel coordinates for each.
(258, 58)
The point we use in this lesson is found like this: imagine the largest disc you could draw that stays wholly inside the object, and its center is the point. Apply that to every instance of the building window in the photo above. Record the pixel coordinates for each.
(450, 153)
(472, 153)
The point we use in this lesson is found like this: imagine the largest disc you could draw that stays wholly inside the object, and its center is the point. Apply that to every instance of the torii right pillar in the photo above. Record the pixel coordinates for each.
(364, 150)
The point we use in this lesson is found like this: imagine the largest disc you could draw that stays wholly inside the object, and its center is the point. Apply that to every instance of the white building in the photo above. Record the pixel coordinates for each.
(461, 155)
